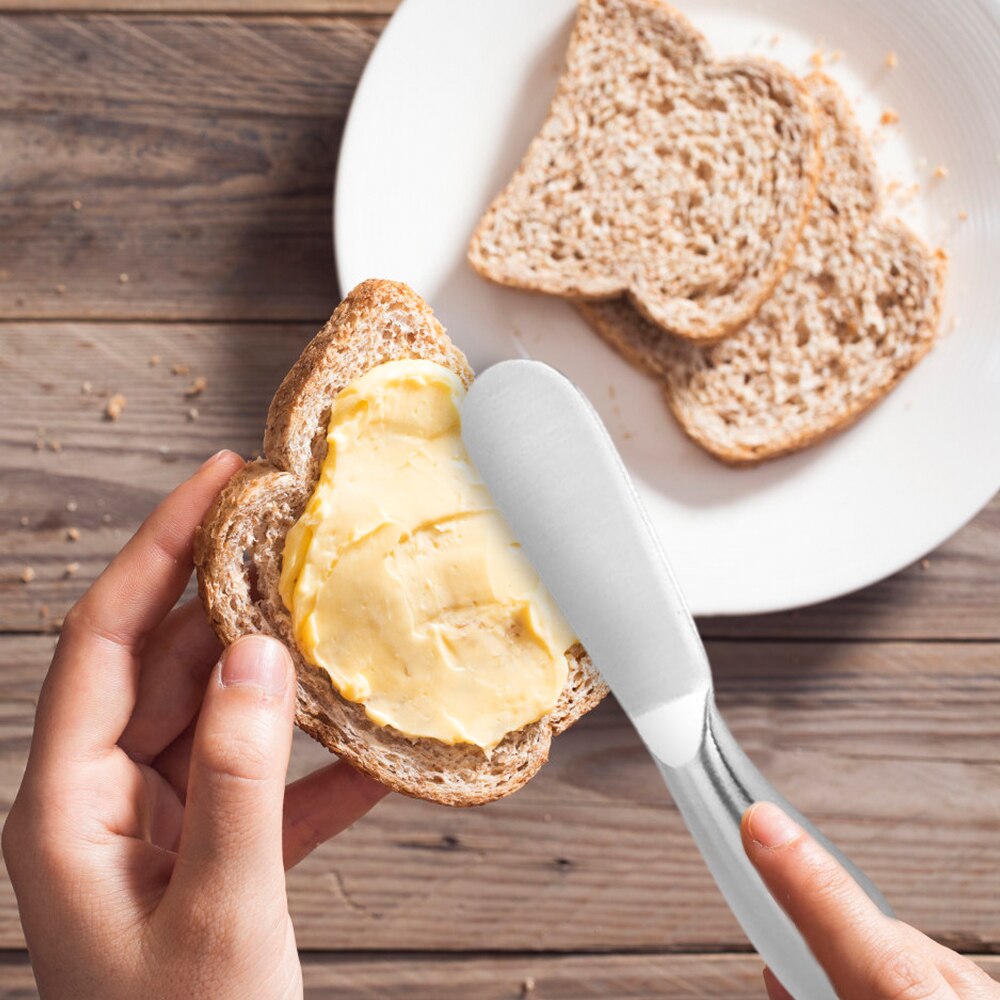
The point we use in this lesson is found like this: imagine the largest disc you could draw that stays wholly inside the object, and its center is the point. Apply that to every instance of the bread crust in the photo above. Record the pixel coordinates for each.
(851, 240)
(526, 220)
(239, 545)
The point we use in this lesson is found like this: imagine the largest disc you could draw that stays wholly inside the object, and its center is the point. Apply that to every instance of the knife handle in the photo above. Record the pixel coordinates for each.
(712, 791)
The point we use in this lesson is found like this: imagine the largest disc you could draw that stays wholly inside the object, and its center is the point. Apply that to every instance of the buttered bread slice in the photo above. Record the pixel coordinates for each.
(427, 652)
(659, 173)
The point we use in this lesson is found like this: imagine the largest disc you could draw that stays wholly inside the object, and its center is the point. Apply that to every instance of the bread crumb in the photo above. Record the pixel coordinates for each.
(925, 564)
(193, 413)
(71, 506)
(163, 449)
(27, 574)
(893, 186)
(775, 40)
(889, 117)
(528, 986)
(43, 611)
(105, 519)
(180, 369)
(77, 204)
(123, 278)
(24, 521)
(71, 569)
(891, 60)
(39, 444)
(197, 387)
(60, 289)
(940, 172)
(115, 406)
(817, 59)
(55, 445)
(86, 388)
(154, 360)
(962, 215)
(836, 55)
(611, 392)
(72, 534)
(941, 254)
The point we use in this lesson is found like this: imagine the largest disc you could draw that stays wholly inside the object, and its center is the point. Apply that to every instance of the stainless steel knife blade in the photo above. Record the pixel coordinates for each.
(558, 480)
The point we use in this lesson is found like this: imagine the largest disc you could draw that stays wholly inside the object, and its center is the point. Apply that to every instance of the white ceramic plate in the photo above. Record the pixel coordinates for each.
(449, 101)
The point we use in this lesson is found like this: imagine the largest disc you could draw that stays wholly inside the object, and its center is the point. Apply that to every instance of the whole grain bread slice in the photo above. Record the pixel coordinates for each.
(660, 173)
(859, 307)
(238, 552)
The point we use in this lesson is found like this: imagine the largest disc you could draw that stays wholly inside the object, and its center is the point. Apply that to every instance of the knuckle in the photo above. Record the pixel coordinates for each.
(205, 927)
(73, 622)
(11, 839)
(237, 754)
(900, 974)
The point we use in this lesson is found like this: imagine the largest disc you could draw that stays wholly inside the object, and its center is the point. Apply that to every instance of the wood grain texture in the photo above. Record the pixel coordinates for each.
(199, 152)
(571, 977)
(233, 7)
(892, 748)
(115, 472)
(563, 977)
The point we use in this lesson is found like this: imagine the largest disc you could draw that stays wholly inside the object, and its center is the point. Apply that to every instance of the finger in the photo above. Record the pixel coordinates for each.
(967, 980)
(174, 762)
(231, 837)
(963, 975)
(92, 684)
(179, 657)
(860, 948)
(775, 991)
(323, 804)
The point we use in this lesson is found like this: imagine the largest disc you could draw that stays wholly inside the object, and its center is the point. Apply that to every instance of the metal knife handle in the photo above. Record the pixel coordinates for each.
(712, 791)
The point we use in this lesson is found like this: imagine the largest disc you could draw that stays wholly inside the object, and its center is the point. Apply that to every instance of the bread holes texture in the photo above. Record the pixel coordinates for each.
(859, 307)
(238, 557)
(659, 173)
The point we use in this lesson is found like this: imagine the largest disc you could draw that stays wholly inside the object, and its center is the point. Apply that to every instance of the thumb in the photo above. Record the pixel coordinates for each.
(231, 835)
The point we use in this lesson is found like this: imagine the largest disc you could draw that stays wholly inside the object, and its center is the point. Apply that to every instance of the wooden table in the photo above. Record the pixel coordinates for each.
(165, 186)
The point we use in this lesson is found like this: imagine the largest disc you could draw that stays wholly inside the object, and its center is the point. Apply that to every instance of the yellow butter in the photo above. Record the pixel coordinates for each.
(403, 580)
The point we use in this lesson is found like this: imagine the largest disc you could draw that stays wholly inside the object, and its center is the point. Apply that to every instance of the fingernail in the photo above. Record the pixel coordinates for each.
(215, 458)
(255, 660)
(770, 827)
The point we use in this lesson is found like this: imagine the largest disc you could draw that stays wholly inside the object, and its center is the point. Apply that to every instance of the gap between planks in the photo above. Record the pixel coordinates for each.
(230, 8)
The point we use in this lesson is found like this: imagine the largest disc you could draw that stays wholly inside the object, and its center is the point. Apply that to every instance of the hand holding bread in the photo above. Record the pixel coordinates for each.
(149, 838)
(239, 552)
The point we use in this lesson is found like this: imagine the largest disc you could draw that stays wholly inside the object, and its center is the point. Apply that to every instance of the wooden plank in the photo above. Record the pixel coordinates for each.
(892, 748)
(199, 153)
(236, 7)
(552, 977)
(113, 473)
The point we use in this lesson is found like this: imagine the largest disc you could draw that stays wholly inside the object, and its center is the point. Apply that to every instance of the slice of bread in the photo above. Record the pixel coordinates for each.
(859, 307)
(659, 173)
(238, 552)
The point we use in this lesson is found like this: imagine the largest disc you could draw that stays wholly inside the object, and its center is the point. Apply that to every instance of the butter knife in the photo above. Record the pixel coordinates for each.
(557, 478)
